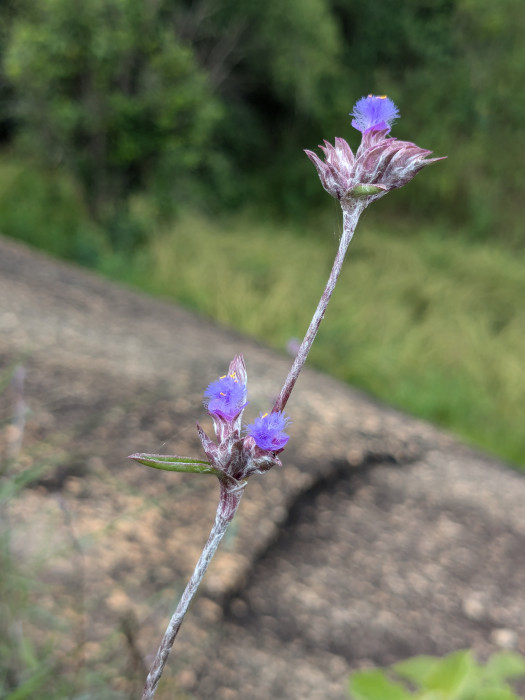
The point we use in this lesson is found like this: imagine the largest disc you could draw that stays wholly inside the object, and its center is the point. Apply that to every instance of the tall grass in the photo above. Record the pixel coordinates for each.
(429, 323)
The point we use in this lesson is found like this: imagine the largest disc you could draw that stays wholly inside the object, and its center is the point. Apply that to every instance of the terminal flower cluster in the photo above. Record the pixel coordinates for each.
(381, 163)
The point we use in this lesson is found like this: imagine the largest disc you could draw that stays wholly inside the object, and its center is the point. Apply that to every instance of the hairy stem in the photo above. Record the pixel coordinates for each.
(232, 490)
(231, 493)
(350, 219)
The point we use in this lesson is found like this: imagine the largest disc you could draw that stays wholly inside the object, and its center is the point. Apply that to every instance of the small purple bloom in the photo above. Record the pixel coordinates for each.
(268, 431)
(226, 397)
(374, 113)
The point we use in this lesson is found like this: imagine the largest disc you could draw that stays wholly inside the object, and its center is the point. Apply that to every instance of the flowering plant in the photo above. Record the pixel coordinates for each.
(381, 163)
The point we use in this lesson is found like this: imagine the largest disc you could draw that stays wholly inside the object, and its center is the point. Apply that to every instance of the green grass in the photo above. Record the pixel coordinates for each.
(44, 208)
(428, 323)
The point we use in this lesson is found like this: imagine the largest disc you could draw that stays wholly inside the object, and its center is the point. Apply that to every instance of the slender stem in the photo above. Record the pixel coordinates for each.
(350, 219)
(231, 493)
(232, 490)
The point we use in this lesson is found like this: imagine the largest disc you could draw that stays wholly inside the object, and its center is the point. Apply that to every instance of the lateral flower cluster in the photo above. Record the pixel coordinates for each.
(238, 452)
(235, 454)
(381, 163)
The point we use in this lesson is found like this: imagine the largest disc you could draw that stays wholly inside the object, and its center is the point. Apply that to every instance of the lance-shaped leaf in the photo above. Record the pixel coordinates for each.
(172, 463)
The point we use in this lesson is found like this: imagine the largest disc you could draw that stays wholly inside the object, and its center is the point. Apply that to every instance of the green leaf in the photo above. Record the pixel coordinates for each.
(452, 674)
(171, 463)
(454, 677)
(496, 694)
(504, 664)
(374, 685)
(416, 669)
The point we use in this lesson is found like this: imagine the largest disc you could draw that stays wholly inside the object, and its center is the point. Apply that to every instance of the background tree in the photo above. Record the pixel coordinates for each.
(106, 89)
(178, 99)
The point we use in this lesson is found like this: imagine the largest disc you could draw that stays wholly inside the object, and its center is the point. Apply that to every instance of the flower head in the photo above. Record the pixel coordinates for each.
(268, 431)
(226, 397)
(374, 113)
(380, 164)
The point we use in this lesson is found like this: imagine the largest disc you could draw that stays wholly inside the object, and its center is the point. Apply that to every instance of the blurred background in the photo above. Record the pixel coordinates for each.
(160, 143)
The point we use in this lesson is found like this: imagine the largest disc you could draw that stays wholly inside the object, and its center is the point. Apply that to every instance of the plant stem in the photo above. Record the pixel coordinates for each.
(350, 219)
(231, 493)
(231, 489)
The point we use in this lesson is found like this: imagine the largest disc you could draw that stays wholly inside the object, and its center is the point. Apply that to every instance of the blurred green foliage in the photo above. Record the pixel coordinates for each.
(212, 102)
(454, 677)
(108, 91)
(45, 209)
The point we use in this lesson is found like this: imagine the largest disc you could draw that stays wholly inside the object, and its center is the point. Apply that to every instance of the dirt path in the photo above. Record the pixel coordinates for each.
(381, 537)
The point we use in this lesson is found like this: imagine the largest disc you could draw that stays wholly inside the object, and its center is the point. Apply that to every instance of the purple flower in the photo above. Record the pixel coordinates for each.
(268, 431)
(226, 397)
(381, 163)
(374, 113)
